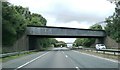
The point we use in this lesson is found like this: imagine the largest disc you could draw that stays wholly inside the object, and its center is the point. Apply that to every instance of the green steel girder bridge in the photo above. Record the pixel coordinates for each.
(64, 32)
(33, 32)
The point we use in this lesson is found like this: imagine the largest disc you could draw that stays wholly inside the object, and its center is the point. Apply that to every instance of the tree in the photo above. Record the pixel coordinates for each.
(113, 22)
(37, 19)
(53, 41)
(96, 27)
(15, 20)
(61, 43)
(87, 42)
(12, 24)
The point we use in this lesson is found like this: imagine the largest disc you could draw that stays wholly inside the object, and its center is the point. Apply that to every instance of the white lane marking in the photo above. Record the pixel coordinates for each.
(71, 61)
(66, 56)
(31, 61)
(77, 68)
(98, 57)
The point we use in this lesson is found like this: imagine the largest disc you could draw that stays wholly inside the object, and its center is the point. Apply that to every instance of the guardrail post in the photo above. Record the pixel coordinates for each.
(18, 53)
(97, 51)
(103, 52)
(114, 53)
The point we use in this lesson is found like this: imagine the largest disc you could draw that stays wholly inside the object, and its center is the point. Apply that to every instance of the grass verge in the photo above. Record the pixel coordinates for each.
(5, 59)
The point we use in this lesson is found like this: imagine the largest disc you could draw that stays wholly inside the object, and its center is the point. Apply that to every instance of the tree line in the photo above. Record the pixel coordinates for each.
(87, 42)
(14, 22)
(112, 29)
(113, 24)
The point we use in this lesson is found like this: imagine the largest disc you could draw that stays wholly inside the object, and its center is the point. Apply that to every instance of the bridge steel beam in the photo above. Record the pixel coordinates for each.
(62, 32)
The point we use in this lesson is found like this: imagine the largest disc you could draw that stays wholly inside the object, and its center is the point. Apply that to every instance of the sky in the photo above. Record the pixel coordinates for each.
(69, 13)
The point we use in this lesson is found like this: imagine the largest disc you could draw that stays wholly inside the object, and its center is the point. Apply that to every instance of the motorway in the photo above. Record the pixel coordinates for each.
(60, 58)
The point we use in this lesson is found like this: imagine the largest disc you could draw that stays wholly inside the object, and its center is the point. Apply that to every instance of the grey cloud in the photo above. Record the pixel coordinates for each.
(64, 14)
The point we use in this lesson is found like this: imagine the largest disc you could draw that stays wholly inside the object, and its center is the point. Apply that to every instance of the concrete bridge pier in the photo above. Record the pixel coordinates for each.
(100, 40)
(32, 42)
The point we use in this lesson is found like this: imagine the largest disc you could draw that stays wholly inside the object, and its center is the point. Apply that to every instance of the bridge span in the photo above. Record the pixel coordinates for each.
(64, 32)
(33, 32)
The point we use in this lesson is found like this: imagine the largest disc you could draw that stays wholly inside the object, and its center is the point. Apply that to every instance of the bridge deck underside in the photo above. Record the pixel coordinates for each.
(53, 36)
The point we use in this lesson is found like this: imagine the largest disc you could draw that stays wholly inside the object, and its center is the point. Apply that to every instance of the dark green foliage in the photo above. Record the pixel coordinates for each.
(96, 27)
(9, 35)
(53, 41)
(14, 21)
(61, 43)
(10, 26)
(43, 43)
(37, 19)
(84, 42)
(87, 41)
(113, 25)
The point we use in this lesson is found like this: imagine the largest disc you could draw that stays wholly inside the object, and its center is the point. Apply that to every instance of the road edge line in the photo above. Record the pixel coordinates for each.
(30, 61)
(98, 57)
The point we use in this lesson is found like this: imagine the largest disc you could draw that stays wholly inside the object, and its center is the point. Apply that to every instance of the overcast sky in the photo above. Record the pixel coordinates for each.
(69, 13)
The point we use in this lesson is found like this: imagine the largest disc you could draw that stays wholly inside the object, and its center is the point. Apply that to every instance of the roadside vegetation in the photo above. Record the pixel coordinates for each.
(87, 41)
(113, 24)
(5, 59)
(14, 22)
(15, 19)
(112, 29)
(60, 43)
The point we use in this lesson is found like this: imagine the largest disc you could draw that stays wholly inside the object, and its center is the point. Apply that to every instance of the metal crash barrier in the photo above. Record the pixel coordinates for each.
(15, 53)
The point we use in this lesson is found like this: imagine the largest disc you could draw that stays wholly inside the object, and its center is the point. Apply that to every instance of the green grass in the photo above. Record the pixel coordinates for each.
(21, 55)
(15, 56)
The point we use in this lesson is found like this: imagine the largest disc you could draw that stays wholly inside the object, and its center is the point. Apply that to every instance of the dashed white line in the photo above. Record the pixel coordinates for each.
(31, 61)
(71, 61)
(66, 56)
(76, 67)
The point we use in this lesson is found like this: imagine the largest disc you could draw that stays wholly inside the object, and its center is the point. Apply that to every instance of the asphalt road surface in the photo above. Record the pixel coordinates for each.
(60, 58)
